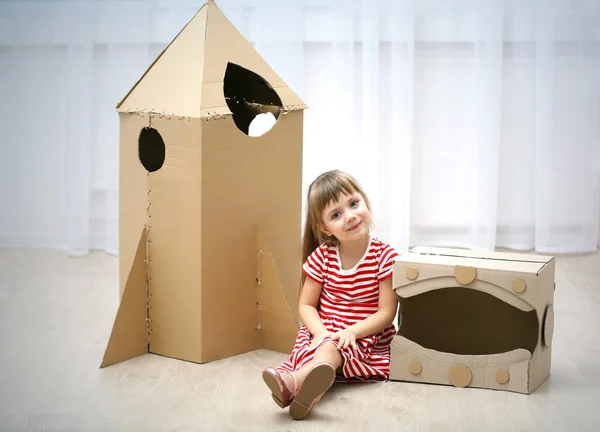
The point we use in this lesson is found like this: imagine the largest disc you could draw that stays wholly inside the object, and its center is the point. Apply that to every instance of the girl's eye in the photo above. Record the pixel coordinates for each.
(335, 215)
(354, 203)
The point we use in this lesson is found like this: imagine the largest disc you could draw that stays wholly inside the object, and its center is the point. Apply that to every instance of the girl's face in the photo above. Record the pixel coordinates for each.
(347, 219)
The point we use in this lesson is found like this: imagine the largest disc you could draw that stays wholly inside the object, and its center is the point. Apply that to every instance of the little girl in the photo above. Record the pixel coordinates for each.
(346, 303)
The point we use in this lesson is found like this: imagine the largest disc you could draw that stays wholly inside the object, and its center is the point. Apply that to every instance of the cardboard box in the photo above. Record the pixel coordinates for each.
(473, 319)
(210, 217)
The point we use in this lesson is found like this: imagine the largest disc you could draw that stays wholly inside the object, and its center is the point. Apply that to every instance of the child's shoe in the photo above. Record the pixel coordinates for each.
(317, 382)
(280, 392)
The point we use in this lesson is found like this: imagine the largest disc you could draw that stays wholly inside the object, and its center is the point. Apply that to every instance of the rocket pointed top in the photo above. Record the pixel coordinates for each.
(186, 79)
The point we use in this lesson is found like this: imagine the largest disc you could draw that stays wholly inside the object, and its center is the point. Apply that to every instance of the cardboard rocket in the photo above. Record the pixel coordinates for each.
(473, 318)
(210, 217)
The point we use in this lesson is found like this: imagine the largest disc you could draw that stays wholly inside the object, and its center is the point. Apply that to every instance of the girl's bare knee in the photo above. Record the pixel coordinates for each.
(329, 349)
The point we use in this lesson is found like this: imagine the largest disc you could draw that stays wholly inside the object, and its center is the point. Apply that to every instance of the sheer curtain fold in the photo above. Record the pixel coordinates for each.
(470, 124)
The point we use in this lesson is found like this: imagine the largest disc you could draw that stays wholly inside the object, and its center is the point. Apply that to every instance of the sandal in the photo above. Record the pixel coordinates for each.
(280, 392)
(318, 380)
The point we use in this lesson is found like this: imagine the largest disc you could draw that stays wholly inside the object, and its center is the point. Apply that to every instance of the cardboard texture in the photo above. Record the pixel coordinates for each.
(129, 336)
(217, 270)
(473, 319)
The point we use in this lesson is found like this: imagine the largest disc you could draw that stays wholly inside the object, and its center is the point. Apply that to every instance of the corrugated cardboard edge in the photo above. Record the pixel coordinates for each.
(276, 321)
(493, 255)
(129, 336)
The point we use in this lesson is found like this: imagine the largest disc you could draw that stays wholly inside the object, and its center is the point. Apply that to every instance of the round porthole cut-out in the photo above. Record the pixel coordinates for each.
(254, 103)
(548, 326)
(151, 149)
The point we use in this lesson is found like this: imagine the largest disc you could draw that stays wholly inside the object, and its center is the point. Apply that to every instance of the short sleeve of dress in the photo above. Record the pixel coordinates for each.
(314, 267)
(386, 263)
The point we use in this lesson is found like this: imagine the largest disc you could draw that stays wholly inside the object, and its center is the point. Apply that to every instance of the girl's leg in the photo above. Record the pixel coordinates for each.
(326, 353)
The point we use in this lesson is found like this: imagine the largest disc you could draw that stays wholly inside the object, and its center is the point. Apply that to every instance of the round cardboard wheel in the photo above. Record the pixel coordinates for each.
(411, 273)
(460, 376)
(519, 286)
(502, 376)
(548, 326)
(415, 367)
(465, 275)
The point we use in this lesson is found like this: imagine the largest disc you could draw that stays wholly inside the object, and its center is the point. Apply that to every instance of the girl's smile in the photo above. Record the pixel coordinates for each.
(346, 219)
(355, 227)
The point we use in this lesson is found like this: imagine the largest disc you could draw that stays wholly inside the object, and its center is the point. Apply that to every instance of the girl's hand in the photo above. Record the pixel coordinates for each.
(319, 337)
(347, 338)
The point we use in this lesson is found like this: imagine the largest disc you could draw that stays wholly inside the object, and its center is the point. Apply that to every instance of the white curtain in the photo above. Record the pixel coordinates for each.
(470, 123)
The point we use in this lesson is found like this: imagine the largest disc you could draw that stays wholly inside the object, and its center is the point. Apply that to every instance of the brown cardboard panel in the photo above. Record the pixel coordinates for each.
(173, 84)
(278, 326)
(436, 367)
(467, 321)
(286, 247)
(133, 199)
(182, 154)
(229, 294)
(176, 302)
(167, 203)
(213, 98)
(129, 336)
(250, 181)
(224, 43)
(505, 256)
(175, 244)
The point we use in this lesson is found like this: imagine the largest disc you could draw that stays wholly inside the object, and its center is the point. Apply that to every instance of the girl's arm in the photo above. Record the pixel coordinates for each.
(307, 307)
(386, 311)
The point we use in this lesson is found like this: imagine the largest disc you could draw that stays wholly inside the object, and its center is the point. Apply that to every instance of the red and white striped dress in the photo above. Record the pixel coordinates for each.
(349, 296)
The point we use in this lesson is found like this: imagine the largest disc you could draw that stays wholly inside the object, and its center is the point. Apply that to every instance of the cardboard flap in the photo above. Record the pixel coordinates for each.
(507, 358)
(129, 337)
(424, 278)
(507, 371)
(492, 255)
(276, 320)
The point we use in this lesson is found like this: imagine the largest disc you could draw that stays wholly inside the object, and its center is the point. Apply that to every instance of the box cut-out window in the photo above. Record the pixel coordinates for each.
(255, 105)
(466, 321)
(151, 149)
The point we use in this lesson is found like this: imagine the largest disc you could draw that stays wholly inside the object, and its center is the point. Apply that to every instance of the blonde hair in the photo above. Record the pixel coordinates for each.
(326, 188)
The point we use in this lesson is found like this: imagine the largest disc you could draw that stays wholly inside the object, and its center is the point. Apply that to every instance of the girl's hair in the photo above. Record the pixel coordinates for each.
(324, 189)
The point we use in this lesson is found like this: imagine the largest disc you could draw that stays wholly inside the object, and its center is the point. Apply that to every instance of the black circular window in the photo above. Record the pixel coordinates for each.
(151, 149)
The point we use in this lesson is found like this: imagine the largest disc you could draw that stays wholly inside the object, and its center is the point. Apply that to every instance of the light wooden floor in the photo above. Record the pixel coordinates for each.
(56, 314)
